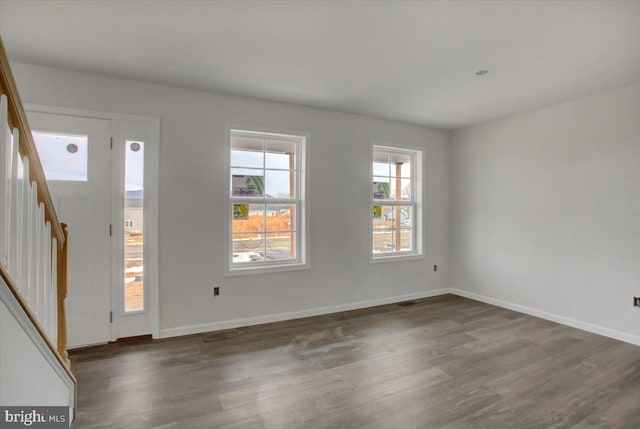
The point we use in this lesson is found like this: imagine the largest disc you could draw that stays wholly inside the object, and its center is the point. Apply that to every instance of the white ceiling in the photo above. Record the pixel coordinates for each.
(408, 61)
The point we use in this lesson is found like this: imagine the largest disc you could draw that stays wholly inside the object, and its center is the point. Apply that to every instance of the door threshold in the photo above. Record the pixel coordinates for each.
(145, 337)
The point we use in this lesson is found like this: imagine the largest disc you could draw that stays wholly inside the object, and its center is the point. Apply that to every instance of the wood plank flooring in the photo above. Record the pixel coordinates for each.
(444, 362)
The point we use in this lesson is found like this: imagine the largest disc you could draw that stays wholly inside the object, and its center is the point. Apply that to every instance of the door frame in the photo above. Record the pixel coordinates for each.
(151, 176)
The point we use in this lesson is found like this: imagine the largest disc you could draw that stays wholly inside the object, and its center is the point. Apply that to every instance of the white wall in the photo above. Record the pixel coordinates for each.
(546, 211)
(192, 217)
(27, 376)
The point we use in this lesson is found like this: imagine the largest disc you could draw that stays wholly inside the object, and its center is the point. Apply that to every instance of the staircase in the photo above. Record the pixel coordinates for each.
(34, 367)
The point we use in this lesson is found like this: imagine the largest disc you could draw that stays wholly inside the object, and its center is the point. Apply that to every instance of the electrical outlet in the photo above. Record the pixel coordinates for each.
(435, 268)
(636, 301)
(216, 291)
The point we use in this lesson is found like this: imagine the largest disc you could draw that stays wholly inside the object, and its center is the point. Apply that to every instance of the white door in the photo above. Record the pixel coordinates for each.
(76, 156)
(131, 239)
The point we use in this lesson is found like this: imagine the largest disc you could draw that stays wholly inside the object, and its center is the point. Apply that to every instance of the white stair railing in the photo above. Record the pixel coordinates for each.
(25, 236)
(33, 243)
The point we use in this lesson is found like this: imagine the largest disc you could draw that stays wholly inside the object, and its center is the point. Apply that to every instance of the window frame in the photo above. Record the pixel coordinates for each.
(301, 262)
(416, 202)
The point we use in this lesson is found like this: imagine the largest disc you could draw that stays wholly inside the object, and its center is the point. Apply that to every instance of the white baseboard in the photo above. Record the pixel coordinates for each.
(279, 317)
(585, 326)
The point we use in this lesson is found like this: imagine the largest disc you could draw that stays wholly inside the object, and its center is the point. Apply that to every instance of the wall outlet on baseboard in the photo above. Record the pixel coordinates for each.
(636, 301)
(216, 291)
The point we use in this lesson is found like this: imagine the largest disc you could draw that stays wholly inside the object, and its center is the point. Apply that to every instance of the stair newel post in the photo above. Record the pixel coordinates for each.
(63, 288)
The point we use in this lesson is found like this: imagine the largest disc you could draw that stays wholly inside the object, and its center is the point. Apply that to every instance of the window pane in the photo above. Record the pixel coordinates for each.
(405, 188)
(280, 184)
(381, 163)
(382, 241)
(400, 160)
(406, 170)
(247, 183)
(248, 248)
(380, 169)
(280, 217)
(281, 246)
(133, 227)
(248, 218)
(63, 157)
(402, 240)
(400, 216)
(382, 217)
(247, 151)
(242, 158)
(280, 154)
(381, 188)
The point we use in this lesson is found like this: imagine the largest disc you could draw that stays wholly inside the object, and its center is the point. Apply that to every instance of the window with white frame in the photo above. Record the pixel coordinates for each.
(266, 201)
(396, 206)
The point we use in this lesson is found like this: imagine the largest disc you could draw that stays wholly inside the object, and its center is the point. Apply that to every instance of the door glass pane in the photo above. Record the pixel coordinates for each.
(133, 227)
(63, 157)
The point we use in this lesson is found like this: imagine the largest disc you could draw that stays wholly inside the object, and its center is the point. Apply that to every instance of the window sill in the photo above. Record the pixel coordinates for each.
(396, 258)
(247, 271)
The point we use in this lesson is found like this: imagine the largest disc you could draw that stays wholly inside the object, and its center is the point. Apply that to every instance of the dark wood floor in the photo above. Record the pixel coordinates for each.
(445, 362)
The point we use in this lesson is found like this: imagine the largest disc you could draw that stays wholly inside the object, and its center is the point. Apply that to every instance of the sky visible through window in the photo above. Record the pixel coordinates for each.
(64, 157)
(134, 166)
(276, 182)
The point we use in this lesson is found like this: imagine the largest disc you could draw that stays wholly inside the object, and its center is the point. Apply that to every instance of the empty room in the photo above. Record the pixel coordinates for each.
(319, 214)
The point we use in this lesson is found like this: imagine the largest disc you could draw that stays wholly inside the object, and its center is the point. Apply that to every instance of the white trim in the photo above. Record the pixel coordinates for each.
(266, 269)
(318, 311)
(152, 208)
(585, 326)
(279, 317)
(399, 257)
(152, 163)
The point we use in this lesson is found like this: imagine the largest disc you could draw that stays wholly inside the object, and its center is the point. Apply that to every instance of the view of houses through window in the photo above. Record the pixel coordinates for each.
(394, 201)
(265, 199)
(133, 227)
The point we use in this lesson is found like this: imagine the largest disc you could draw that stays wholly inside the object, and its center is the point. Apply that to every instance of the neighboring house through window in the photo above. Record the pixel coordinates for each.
(266, 200)
(396, 203)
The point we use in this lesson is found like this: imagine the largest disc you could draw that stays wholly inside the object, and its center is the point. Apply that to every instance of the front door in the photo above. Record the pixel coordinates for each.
(76, 156)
